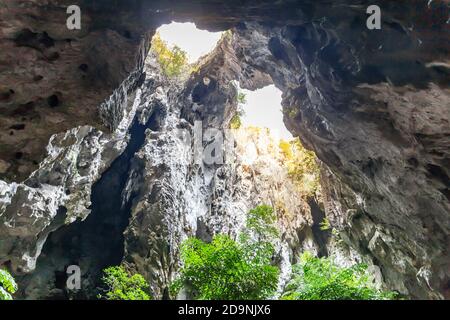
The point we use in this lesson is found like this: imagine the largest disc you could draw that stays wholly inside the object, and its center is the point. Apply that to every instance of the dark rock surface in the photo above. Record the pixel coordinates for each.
(53, 79)
(373, 104)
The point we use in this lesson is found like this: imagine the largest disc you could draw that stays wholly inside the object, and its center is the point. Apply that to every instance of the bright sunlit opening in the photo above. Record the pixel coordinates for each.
(194, 41)
(263, 109)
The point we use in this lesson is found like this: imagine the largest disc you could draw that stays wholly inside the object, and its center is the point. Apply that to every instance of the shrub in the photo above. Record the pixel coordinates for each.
(241, 98)
(286, 149)
(301, 165)
(321, 279)
(291, 112)
(172, 61)
(123, 286)
(325, 224)
(8, 285)
(236, 122)
(226, 269)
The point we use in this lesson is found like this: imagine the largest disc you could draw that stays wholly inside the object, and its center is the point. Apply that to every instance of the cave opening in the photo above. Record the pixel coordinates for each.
(98, 241)
(262, 108)
(192, 40)
(344, 83)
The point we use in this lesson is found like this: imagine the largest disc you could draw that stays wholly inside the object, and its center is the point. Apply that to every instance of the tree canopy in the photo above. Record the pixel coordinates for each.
(228, 269)
(123, 286)
(173, 61)
(321, 279)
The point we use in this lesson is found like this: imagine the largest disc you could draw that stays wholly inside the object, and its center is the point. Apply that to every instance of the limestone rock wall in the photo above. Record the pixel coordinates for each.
(176, 196)
(372, 104)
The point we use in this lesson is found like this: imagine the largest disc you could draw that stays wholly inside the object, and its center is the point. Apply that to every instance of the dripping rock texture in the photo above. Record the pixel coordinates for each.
(374, 105)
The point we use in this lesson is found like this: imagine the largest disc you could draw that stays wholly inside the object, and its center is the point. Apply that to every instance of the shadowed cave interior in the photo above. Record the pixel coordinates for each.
(371, 104)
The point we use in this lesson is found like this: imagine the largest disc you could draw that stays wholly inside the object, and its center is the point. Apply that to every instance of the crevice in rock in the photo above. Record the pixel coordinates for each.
(321, 237)
(53, 101)
(38, 41)
(94, 243)
(18, 126)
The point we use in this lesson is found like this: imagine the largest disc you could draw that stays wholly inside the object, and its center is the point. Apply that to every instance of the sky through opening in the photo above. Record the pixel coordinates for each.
(262, 107)
(194, 41)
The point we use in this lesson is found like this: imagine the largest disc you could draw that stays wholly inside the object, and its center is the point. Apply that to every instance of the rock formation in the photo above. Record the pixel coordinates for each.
(372, 104)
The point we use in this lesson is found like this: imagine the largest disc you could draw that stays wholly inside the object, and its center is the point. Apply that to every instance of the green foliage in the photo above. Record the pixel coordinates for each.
(172, 61)
(321, 279)
(337, 237)
(226, 269)
(123, 286)
(291, 112)
(301, 165)
(262, 221)
(8, 285)
(241, 98)
(236, 122)
(325, 225)
(286, 149)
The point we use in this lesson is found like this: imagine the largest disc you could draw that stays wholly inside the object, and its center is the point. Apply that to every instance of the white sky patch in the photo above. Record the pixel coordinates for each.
(263, 109)
(194, 41)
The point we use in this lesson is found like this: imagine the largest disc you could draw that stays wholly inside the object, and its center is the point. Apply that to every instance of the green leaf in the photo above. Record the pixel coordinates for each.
(8, 285)
(123, 286)
(226, 270)
(321, 279)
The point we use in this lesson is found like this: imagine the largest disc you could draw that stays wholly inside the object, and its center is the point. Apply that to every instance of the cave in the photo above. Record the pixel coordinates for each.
(372, 104)
(96, 241)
